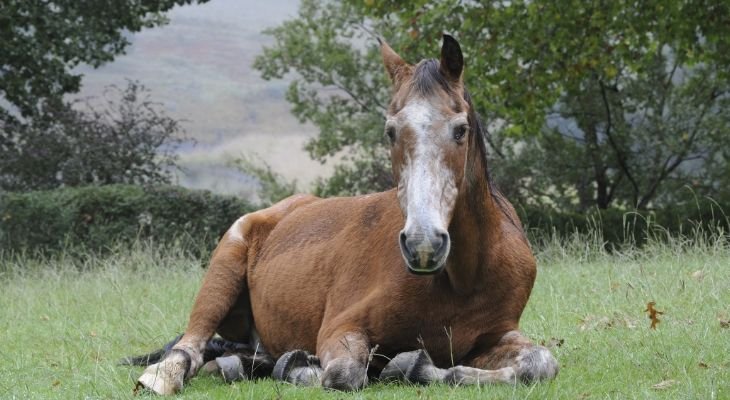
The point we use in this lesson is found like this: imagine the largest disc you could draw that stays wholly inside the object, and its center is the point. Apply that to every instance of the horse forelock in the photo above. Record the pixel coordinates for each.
(427, 78)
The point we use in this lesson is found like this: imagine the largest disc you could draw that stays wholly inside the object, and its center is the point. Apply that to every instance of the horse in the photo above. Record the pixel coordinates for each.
(423, 283)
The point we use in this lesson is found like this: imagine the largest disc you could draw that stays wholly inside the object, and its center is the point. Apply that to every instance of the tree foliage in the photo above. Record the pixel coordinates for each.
(339, 86)
(42, 41)
(126, 139)
(609, 103)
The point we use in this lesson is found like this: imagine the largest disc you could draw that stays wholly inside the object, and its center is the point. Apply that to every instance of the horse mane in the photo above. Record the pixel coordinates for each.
(426, 79)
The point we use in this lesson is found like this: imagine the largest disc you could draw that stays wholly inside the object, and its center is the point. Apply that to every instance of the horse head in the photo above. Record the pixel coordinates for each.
(428, 124)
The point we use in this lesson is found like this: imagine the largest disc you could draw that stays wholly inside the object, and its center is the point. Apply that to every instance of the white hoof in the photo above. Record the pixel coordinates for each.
(167, 376)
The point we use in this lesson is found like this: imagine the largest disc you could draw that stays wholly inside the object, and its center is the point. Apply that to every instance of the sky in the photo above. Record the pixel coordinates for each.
(199, 67)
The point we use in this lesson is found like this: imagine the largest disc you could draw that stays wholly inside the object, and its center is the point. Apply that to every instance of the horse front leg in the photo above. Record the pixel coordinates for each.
(531, 362)
(417, 367)
(342, 364)
(514, 358)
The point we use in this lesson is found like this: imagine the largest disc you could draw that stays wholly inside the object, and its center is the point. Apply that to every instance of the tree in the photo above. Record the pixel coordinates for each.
(339, 86)
(619, 101)
(42, 41)
(127, 139)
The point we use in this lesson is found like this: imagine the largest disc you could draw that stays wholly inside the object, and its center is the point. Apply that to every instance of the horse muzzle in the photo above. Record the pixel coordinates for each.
(425, 254)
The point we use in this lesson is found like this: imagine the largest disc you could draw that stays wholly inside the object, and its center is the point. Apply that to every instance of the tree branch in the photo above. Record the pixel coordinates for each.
(619, 154)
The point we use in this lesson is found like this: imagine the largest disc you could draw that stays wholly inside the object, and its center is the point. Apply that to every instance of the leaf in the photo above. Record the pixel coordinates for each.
(552, 343)
(664, 384)
(653, 314)
(724, 320)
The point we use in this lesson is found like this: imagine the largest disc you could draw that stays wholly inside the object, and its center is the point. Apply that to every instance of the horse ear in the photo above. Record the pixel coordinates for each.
(452, 60)
(394, 64)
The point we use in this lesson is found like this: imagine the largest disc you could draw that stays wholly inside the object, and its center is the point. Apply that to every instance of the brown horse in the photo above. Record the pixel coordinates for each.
(425, 282)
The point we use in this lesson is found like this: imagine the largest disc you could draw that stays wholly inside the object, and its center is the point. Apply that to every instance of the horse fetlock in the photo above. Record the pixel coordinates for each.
(345, 374)
(536, 363)
(167, 376)
(461, 375)
(298, 367)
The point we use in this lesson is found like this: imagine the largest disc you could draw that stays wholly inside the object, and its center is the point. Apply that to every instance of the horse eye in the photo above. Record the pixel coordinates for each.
(390, 131)
(460, 131)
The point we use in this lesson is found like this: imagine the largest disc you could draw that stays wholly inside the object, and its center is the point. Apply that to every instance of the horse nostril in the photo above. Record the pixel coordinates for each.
(440, 243)
(404, 246)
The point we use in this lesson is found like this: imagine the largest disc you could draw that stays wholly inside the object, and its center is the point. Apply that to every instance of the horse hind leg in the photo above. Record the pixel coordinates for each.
(223, 286)
(298, 367)
(343, 365)
(235, 361)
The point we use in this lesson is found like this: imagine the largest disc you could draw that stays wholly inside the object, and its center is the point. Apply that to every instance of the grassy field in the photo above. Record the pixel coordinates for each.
(64, 324)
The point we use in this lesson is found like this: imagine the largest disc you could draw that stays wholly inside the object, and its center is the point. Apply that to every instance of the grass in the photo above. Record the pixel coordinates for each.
(64, 323)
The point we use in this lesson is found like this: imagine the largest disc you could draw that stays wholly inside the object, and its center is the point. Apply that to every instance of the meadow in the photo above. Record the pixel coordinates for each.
(66, 321)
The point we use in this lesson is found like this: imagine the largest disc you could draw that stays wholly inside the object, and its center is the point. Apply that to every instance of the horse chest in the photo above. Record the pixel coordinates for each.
(447, 327)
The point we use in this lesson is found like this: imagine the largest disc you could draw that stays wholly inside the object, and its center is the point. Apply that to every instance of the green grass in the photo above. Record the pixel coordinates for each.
(65, 323)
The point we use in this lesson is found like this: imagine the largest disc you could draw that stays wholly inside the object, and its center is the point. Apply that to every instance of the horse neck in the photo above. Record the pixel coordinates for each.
(476, 220)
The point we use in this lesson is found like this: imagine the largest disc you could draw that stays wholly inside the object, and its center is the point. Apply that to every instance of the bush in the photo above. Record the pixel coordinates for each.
(126, 138)
(97, 217)
(615, 227)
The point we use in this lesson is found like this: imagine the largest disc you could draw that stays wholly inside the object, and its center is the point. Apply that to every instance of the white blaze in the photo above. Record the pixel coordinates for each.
(426, 190)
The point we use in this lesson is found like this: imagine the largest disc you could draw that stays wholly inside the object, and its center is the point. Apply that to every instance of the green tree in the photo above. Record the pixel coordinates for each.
(609, 103)
(126, 139)
(340, 86)
(42, 41)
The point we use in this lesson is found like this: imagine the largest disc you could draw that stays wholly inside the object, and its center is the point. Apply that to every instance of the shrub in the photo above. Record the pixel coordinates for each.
(95, 217)
(615, 227)
(126, 138)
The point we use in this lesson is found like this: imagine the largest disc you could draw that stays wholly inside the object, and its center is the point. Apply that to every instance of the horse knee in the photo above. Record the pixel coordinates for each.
(345, 374)
(535, 363)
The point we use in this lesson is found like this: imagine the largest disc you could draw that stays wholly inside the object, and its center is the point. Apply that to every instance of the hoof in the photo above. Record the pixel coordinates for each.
(535, 364)
(298, 367)
(231, 368)
(344, 374)
(413, 366)
(210, 368)
(167, 376)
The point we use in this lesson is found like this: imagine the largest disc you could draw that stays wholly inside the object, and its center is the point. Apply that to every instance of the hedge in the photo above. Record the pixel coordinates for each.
(96, 217)
(693, 219)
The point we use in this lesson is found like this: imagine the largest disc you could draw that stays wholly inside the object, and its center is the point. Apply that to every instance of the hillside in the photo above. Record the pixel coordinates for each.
(199, 67)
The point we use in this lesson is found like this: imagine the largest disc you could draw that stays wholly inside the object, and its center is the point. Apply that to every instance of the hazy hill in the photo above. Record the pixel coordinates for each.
(199, 66)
